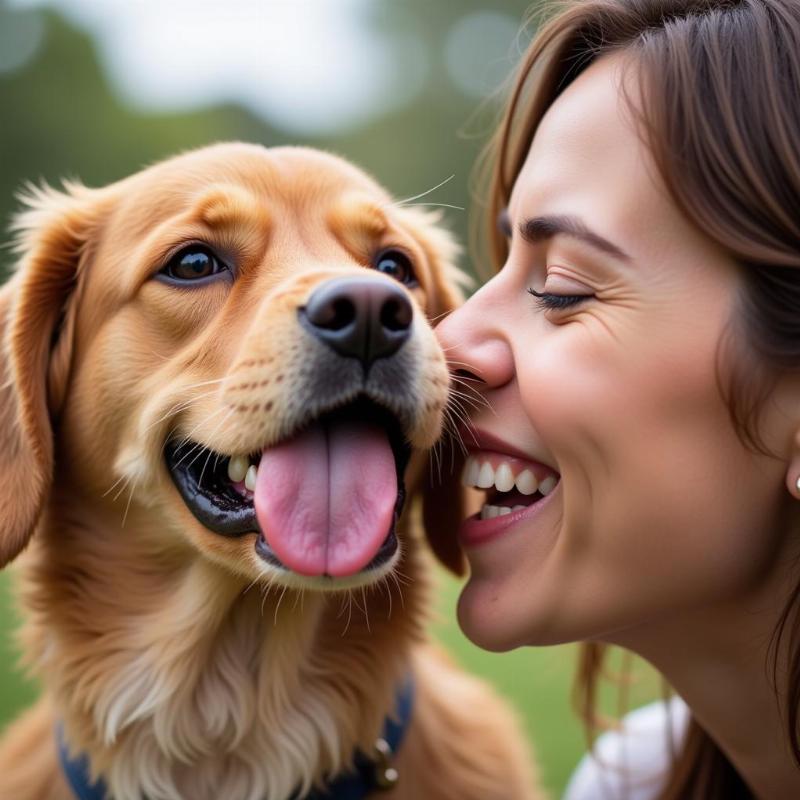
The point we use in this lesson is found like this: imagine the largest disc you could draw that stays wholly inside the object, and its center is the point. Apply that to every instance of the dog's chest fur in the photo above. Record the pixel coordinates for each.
(193, 685)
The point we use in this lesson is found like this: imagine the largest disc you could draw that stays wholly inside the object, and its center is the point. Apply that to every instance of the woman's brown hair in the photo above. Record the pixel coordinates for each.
(717, 99)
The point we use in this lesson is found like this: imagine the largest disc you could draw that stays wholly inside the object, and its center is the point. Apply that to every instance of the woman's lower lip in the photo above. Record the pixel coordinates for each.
(475, 531)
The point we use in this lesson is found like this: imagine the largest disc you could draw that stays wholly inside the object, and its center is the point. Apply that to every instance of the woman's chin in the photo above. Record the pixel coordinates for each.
(487, 621)
(497, 616)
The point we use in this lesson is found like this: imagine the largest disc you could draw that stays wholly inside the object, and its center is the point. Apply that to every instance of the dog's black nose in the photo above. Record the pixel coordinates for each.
(363, 318)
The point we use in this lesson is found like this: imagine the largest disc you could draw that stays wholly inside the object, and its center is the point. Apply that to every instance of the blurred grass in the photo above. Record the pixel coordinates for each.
(535, 680)
(15, 691)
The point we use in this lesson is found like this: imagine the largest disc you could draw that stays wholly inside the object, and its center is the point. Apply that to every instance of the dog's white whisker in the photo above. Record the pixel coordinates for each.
(459, 416)
(198, 445)
(278, 606)
(200, 424)
(466, 407)
(470, 384)
(366, 608)
(400, 575)
(349, 612)
(359, 607)
(264, 593)
(433, 463)
(460, 412)
(385, 585)
(407, 200)
(462, 378)
(469, 367)
(113, 485)
(435, 319)
(122, 489)
(470, 392)
(211, 436)
(182, 405)
(128, 505)
(158, 355)
(443, 205)
(471, 399)
(342, 606)
(191, 386)
(396, 580)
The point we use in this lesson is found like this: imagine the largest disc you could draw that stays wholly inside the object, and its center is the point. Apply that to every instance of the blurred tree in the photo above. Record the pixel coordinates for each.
(61, 118)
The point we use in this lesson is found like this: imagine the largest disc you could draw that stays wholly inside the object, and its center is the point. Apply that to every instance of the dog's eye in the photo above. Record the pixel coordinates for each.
(193, 263)
(397, 265)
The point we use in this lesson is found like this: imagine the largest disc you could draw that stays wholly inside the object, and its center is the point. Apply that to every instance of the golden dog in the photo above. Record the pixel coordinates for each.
(231, 342)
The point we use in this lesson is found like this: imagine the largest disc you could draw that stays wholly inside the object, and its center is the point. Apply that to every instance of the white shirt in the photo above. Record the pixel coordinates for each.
(632, 763)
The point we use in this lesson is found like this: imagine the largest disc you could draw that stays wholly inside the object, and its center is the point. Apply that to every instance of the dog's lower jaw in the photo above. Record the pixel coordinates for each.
(203, 685)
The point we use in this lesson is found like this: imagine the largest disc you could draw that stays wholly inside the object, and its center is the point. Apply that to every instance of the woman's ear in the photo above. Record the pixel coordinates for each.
(54, 234)
(793, 473)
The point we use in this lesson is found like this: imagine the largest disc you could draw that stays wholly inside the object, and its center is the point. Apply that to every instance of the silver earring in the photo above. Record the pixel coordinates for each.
(797, 485)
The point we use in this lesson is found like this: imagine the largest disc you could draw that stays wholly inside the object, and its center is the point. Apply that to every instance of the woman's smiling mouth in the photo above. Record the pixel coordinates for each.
(516, 488)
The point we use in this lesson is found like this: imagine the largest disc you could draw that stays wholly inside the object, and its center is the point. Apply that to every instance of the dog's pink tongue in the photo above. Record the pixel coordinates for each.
(325, 499)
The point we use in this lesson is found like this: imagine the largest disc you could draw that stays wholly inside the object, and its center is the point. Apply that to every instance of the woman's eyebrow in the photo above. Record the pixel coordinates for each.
(538, 229)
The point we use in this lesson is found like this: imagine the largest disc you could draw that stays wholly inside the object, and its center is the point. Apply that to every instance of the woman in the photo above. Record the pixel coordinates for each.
(639, 357)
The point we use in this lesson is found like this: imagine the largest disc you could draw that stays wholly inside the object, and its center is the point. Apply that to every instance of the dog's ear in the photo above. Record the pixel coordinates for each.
(53, 235)
(444, 505)
(443, 497)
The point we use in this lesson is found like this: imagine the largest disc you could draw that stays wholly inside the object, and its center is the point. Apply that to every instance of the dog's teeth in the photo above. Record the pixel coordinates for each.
(237, 468)
(250, 478)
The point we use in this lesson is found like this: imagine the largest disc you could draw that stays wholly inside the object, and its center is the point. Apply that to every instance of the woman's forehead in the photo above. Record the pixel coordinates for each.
(588, 162)
(584, 138)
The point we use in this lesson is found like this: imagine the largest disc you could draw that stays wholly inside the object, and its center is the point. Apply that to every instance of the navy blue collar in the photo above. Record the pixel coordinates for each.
(371, 772)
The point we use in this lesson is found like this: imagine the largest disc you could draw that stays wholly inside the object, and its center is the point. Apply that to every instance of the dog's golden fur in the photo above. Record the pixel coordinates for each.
(174, 657)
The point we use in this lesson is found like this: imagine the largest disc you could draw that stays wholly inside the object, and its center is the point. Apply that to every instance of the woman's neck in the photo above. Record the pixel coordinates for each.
(720, 661)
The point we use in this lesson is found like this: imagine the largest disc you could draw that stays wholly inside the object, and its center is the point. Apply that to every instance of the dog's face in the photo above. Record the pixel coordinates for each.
(242, 360)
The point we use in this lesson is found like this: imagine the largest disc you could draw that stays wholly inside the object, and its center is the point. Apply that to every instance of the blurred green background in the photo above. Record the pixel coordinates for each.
(95, 89)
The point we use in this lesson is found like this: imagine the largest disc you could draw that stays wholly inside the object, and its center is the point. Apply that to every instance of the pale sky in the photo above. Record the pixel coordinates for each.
(309, 66)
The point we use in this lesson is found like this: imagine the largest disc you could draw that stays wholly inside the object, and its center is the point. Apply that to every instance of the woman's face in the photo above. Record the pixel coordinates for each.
(659, 512)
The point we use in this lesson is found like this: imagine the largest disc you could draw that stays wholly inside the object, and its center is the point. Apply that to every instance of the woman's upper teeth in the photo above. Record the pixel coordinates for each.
(506, 474)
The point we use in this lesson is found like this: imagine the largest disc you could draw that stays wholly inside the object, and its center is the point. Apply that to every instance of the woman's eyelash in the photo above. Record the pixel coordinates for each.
(558, 300)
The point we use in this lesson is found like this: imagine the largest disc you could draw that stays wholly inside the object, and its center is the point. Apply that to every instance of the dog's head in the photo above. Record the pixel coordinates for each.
(231, 348)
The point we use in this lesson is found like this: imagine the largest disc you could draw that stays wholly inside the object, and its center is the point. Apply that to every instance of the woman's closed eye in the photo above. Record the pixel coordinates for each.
(558, 301)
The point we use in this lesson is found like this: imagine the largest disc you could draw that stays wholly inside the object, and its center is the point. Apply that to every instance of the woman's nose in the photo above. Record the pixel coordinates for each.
(474, 341)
